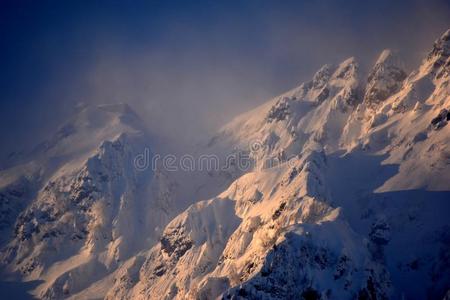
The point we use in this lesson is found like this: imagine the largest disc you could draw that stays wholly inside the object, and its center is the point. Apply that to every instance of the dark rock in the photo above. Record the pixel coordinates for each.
(369, 292)
(159, 270)
(176, 243)
(292, 174)
(441, 119)
(380, 232)
(323, 95)
(310, 294)
(278, 211)
(341, 267)
(321, 78)
(279, 111)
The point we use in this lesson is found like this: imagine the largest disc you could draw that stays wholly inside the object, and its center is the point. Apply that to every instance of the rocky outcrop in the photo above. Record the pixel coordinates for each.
(441, 119)
(385, 78)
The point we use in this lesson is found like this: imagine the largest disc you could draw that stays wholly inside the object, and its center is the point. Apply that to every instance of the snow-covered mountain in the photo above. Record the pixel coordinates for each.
(348, 198)
(355, 206)
(78, 206)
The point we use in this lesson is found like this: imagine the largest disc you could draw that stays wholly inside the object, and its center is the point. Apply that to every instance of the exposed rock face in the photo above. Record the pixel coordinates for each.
(279, 112)
(441, 51)
(441, 120)
(13, 199)
(439, 58)
(385, 79)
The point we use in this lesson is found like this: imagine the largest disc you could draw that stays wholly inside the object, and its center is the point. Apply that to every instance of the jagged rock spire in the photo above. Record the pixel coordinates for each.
(441, 47)
(385, 78)
(439, 56)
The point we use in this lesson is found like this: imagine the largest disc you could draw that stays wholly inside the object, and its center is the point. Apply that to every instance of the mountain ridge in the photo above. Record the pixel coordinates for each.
(350, 200)
(282, 210)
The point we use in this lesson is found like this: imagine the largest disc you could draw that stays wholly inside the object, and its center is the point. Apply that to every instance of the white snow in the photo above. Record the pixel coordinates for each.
(355, 208)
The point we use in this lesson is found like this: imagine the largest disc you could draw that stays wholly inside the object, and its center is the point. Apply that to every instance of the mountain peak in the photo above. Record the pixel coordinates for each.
(349, 61)
(441, 48)
(385, 55)
(389, 57)
(104, 115)
(347, 70)
(444, 41)
(385, 78)
(88, 127)
(120, 108)
(322, 76)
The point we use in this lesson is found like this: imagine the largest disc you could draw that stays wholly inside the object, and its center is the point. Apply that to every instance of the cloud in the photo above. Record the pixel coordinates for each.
(188, 68)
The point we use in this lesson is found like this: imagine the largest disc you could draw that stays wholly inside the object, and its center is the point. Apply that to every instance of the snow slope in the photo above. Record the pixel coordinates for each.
(78, 206)
(356, 205)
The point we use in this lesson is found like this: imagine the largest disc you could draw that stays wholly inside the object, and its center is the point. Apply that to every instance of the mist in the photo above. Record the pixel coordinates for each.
(187, 68)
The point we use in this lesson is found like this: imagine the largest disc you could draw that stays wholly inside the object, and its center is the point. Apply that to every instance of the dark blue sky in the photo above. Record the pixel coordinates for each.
(187, 66)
